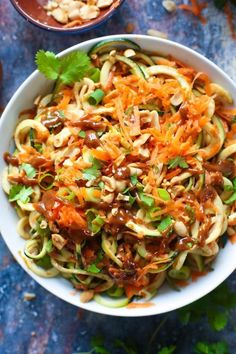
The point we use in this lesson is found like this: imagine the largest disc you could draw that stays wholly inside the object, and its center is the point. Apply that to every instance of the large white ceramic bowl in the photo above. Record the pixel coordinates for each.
(167, 299)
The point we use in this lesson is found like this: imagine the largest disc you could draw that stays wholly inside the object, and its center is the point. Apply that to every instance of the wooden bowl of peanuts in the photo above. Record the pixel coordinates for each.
(67, 16)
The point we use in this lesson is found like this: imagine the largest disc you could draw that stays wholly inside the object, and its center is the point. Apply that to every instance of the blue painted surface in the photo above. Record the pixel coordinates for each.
(47, 324)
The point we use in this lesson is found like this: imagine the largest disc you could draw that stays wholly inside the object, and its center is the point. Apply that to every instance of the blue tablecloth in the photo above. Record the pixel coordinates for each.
(47, 324)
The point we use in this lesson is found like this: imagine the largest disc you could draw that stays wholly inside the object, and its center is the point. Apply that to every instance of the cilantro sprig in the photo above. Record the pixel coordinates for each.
(221, 3)
(29, 170)
(21, 193)
(214, 348)
(167, 350)
(178, 161)
(66, 70)
(215, 306)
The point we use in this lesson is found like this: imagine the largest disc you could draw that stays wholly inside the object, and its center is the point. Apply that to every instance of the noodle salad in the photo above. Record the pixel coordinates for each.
(123, 176)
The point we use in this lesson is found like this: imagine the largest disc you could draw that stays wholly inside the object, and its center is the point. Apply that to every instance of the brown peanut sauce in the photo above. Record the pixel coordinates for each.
(38, 161)
(49, 205)
(91, 139)
(23, 180)
(122, 173)
(207, 194)
(10, 159)
(226, 167)
(87, 124)
(52, 121)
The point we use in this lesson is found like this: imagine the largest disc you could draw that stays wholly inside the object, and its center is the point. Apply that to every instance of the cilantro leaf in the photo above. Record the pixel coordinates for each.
(91, 173)
(215, 306)
(128, 348)
(214, 348)
(97, 344)
(73, 67)
(93, 268)
(44, 262)
(167, 350)
(20, 192)
(217, 320)
(48, 64)
(177, 161)
(29, 170)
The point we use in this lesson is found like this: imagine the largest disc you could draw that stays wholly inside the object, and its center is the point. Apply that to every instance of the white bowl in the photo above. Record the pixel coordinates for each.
(167, 299)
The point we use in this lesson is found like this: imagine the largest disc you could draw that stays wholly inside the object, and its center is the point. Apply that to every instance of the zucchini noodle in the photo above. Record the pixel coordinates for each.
(128, 182)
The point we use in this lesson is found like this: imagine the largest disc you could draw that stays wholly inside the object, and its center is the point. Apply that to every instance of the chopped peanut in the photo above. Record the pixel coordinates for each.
(68, 11)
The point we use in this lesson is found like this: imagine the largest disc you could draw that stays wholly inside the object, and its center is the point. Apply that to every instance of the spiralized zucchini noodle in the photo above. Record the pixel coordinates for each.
(127, 181)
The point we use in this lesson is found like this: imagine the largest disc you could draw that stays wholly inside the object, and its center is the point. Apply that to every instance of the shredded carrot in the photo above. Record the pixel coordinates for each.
(66, 97)
(70, 218)
(135, 305)
(196, 9)
(233, 239)
(130, 291)
(100, 155)
(172, 174)
(134, 122)
(229, 16)
(112, 149)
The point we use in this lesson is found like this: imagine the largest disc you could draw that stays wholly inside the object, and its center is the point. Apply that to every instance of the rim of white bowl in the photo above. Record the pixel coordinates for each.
(123, 312)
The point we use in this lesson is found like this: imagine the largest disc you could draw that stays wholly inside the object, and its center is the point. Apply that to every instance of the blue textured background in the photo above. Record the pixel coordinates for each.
(47, 324)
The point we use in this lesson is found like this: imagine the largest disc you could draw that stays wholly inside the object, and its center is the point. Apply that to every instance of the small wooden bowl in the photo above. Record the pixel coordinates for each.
(33, 11)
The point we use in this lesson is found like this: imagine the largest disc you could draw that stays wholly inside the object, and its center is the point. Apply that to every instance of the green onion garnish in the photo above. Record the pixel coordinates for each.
(148, 201)
(96, 97)
(164, 224)
(46, 181)
(82, 134)
(163, 194)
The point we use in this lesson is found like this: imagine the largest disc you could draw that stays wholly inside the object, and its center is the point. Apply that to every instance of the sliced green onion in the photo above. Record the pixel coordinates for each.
(182, 274)
(46, 181)
(150, 213)
(163, 194)
(191, 213)
(66, 193)
(134, 180)
(101, 184)
(94, 74)
(146, 200)
(96, 97)
(165, 223)
(95, 222)
(231, 199)
(38, 147)
(82, 134)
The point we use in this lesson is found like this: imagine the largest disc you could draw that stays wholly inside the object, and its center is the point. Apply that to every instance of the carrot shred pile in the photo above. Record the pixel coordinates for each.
(196, 9)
